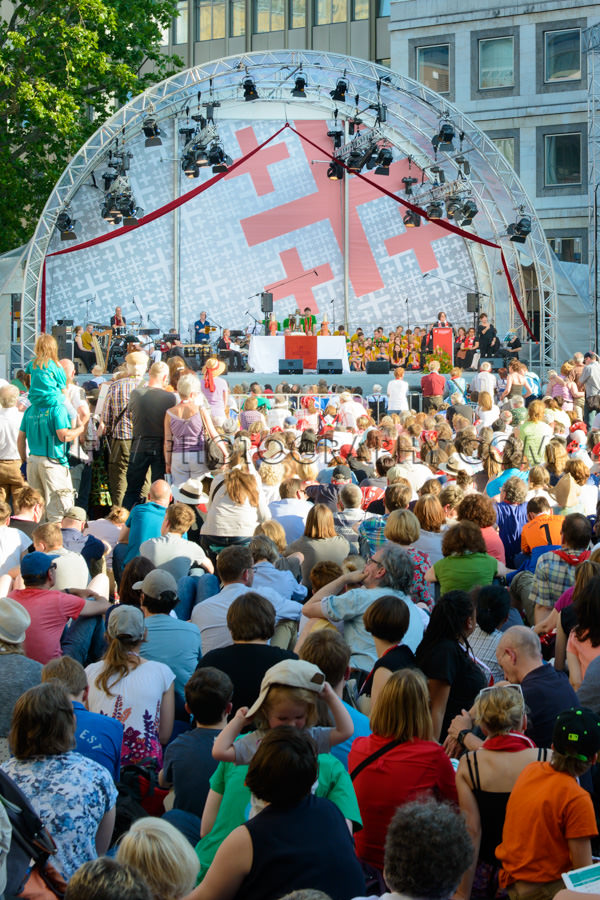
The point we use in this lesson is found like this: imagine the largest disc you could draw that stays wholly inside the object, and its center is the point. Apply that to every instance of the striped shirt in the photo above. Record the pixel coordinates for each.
(117, 399)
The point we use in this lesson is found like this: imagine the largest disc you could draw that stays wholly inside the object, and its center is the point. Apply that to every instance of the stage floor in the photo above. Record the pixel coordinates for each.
(346, 381)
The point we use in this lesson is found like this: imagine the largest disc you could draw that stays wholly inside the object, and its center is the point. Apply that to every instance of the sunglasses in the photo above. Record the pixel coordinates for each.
(495, 687)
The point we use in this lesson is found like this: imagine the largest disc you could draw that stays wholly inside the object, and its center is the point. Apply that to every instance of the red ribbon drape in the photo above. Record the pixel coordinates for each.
(184, 198)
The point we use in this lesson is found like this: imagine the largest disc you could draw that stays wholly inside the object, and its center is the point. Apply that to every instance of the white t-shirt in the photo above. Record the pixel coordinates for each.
(13, 543)
(397, 392)
(10, 422)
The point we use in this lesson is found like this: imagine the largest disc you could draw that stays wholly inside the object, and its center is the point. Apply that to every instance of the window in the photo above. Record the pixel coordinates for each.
(180, 25)
(562, 55)
(268, 15)
(297, 13)
(433, 67)
(567, 248)
(384, 8)
(496, 63)
(238, 18)
(506, 146)
(329, 11)
(360, 9)
(210, 19)
(562, 159)
(384, 61)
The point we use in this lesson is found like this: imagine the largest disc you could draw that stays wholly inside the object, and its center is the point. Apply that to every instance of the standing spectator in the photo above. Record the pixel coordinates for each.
(17, 672)
(11, 479)
(397, 392)
(188, 428)
(432, 387)
(147, 408)
(116, 418)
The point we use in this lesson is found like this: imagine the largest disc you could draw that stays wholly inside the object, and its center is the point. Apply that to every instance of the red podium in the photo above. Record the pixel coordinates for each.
(443, 339)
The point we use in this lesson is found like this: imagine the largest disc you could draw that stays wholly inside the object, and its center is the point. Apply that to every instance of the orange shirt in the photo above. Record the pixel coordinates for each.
(545, 810)
(543, 530)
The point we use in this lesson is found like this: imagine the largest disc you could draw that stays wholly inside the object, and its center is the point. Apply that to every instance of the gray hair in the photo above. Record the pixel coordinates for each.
(427, 850)
(399, 569)
(485, 367)
(188, 385)
(351, 496)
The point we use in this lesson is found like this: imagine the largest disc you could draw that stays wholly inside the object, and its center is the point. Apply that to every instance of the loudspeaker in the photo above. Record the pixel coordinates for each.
(473, 303)
(329, 367)
(63, 335)
(496, 362)
(291, 367)
(378, 367)
(266, 302)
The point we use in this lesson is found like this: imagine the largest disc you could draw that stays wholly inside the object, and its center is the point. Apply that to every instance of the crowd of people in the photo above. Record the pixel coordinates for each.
(351, 648)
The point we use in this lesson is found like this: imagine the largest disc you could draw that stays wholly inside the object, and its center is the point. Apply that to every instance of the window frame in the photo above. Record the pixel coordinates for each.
(184, 5)
(548, 87)
(513, 90)
(291, 4)
(557, 190)
(331, 20)
(440, 40)
(270, 30)
(571, 80)
(562, 234)
(211, 4)
(515, 135)
(489, 40)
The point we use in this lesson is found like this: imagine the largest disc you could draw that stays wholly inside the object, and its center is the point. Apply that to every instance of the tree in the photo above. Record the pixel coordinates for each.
(63, 68)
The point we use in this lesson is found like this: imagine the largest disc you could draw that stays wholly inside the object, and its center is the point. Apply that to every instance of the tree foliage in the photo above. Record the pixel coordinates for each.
(63, 67)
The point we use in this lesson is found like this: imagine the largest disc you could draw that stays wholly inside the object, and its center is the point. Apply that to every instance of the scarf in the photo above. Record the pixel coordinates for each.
(209, 381)
(568, 557)
(508, 743)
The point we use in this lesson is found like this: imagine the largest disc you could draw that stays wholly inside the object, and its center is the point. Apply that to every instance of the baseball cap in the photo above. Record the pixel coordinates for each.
(293, 673)
(290, 421)
(155, 582)
(126, 621)
(37, 563)
(577, 733)
(341, 472)
(14, 621)
(76, 512)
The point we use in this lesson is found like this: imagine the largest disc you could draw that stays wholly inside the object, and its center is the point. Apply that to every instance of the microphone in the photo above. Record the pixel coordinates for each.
(315, 272)
(426, 274)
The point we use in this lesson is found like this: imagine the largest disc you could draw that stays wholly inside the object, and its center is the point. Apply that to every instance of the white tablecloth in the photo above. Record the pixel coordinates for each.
(265, 352)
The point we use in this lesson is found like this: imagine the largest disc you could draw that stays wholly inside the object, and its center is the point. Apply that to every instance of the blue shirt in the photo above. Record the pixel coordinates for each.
(144, 522)
(174, 643)
(362, 728)
(99, 738)
(40, 426)
(493, 487)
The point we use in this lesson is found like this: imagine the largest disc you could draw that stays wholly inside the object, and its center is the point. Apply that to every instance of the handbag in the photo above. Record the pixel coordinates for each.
(214, 456)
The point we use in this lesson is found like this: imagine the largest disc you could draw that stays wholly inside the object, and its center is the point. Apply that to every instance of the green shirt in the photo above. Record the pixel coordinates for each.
(228, 780)
(40, 425)
(462, 573)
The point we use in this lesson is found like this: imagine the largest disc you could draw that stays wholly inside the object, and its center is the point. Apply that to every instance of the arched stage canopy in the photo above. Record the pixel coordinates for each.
(277, 222)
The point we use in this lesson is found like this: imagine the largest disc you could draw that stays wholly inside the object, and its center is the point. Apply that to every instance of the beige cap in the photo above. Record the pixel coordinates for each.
(293, 673)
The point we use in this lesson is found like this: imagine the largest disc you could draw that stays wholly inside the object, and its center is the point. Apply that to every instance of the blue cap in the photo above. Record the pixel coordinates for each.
(37, 563)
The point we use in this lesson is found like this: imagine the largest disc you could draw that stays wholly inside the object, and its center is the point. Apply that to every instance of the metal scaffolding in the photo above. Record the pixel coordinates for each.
(591, 46)
(413, 117)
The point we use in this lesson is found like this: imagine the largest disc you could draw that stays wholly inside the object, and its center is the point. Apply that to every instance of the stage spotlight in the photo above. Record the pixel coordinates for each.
(66, 226)
(463, 162)
(443, 139)
(335, 171)
(435, 210)
(106, 214)
(218, 159)
(201, 156)
(440, 175)
(339, 93)
(108, 178)
(408, 183)
(519, 230)
(250, 92)
(336, 136)
(411, 219)
(453, 207)
(468, 212)
(188, 164)
(298, 90)
(384, 160)
(152, 132)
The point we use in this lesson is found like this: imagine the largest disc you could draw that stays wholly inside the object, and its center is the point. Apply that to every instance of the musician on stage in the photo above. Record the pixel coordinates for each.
(86, 355)
(234, 357)
(118, 320)
(200, 335)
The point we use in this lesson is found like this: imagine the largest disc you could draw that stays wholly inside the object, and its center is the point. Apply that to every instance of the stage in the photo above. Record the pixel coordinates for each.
(348, 380)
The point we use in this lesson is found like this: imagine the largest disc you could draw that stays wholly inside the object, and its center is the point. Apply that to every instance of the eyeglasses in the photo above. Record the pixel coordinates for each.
(495, 687)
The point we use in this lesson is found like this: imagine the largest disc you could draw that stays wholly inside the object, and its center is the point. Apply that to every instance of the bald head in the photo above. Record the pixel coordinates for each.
(160, 492)
(522, 639)
(68, 367)
(519, 652)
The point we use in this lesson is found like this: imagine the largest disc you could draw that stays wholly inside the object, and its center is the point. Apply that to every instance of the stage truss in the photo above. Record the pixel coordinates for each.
(413, 116)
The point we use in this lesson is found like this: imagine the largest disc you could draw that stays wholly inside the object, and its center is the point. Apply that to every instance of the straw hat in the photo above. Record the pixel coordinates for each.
(216, 366)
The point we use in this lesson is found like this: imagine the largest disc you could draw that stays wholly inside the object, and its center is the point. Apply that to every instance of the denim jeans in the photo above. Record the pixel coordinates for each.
(185, 822)
(83, 639)
(118, 562)
(193, 589)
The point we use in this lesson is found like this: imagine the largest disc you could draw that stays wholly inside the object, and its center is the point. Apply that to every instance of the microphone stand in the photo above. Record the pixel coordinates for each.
(464, 287)
(407, 315)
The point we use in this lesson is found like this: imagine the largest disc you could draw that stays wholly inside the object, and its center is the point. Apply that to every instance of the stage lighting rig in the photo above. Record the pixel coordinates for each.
(194, 155)
(519, 230)
(335, 171)
(299, 87)
(381, 161)
(357, 152)
(468, 212)
(411, 219)
(249, 88)
(339, 92)
(435, 209)
(439, 174)
(66, 226)
(217, 158)
(152, 132)
(444, 139)
(119, 204)
(408, 183)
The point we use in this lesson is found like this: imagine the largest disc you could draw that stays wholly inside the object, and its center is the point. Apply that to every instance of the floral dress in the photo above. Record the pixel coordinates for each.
(135, 701)
(71, 794)
(420, 588)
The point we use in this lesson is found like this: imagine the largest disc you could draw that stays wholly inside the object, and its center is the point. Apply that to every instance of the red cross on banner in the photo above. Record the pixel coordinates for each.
(259, 168)
(302, 288)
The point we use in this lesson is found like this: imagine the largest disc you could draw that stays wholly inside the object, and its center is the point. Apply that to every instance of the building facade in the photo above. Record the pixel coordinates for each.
(520, 72)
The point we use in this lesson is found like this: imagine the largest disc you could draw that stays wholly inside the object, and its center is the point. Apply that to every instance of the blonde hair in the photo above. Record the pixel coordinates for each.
(46, 350)
(401, 711)
(539, 476)
(578, 470)
(306, 471)
(117, 663)
(241, 486)
(278, 692)
(270, 474)
(485, 401)
(402, 527)
(274, 530)
(162, 856)
(501, 710)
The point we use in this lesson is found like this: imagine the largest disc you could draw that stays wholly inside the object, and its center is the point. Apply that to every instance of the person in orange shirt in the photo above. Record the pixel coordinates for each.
(549, 817)
(542, 527)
